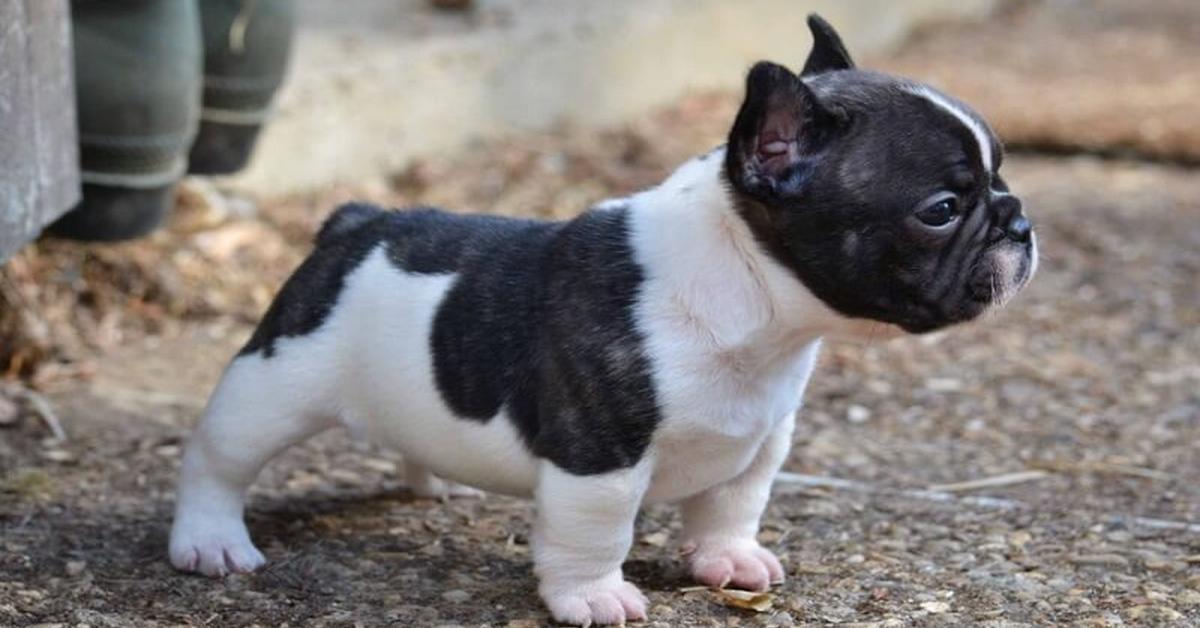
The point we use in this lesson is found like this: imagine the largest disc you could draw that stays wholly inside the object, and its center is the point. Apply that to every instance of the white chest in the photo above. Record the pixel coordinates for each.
(714, 423)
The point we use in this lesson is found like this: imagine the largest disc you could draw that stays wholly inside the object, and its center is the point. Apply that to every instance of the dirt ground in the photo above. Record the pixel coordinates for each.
(1036, 468)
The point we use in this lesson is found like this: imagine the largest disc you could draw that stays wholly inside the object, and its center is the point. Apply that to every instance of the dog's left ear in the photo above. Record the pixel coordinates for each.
(777, 135)
(828, 53)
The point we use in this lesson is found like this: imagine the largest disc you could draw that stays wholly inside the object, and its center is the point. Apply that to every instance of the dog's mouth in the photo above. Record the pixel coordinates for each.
(999, 274)
(1002, 273)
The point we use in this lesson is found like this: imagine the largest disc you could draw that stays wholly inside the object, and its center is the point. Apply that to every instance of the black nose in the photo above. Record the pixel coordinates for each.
(1019, 228)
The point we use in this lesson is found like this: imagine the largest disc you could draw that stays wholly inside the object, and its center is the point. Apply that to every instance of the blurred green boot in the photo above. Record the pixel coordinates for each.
(246, 45)
(138, 73)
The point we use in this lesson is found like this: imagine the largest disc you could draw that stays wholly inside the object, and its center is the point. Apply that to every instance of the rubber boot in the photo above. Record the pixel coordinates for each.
(246, 47)
(138, 80)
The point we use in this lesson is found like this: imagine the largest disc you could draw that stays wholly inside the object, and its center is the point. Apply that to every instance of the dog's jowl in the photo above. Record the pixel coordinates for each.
(655, 348)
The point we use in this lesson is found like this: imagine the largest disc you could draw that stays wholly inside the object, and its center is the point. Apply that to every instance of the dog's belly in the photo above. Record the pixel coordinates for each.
(387, 390)
(687, 465)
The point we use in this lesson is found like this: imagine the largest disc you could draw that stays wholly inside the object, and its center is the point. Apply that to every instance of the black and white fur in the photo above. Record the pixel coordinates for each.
(653, 349)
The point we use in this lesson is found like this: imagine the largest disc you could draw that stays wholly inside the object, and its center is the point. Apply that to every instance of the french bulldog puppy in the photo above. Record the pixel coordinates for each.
(652, 349)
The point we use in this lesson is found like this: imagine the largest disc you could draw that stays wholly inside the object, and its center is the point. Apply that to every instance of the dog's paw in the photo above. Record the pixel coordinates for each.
(607, 601)
(213, 547)
(736, 563)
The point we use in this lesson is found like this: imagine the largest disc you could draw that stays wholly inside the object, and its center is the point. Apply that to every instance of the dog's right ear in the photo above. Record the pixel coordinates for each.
(777, 134)
(828, 53)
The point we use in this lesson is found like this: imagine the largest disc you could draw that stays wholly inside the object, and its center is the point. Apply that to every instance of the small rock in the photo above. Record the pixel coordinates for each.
(935, 607)
(61, 456)
(75, 567)
(1099, 560)
(1153, 614)
(879, 386)
(1019, 539)
(345, 477)
(456, 596)
(943, 384)
(856, 559)
(167, 451)
(1159, 564)
(858, 414)
(8, 412)
(1188, 599)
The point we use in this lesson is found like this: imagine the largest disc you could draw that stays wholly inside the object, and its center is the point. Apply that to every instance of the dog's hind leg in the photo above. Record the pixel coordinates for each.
(261, 407)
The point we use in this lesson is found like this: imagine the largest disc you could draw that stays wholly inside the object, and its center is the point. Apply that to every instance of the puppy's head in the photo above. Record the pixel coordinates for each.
(881, 194)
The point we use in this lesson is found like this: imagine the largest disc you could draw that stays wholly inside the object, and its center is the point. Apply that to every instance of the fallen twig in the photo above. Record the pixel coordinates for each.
(1111, 468)
(791, 483)
(41, 407)
(1006, 479)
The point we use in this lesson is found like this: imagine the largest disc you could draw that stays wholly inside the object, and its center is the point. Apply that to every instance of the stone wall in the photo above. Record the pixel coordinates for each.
(39, 157)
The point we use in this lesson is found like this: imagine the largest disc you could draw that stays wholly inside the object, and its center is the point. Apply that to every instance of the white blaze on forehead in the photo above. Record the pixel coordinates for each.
(982, 138)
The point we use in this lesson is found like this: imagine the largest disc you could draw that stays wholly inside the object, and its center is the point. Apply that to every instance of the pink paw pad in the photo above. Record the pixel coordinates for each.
(740, 564)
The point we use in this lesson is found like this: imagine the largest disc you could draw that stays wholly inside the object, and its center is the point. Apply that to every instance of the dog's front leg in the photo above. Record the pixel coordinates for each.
(583, 531)
(721, 523)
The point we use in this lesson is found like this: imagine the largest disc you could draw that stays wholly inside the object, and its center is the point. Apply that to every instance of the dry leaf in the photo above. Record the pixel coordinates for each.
(759, 602)
(656, 539)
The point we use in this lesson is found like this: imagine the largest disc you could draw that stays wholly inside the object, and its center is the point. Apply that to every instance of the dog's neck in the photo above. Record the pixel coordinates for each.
(690, 236)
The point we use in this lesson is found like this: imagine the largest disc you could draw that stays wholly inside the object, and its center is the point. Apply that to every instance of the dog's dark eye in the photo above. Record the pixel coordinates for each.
(940, 213)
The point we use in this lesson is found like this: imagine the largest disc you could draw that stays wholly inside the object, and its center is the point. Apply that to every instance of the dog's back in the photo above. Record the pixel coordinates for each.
(423, 241)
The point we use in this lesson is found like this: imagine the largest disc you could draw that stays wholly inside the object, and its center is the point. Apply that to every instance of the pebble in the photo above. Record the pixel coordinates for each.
(943, 384)
(1099, 560)
(61, 456)
(935, 607)
(8, 412)
(858, 414)
(1153, 614)
(456, 596)
(1188, 599)
(75, 567)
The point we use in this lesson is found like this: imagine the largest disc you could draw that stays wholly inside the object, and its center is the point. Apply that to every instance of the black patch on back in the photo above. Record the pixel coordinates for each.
(540, 321)
(420, 240)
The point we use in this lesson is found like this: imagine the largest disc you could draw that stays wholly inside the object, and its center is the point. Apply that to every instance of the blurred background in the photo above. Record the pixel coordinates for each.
(1038, 467)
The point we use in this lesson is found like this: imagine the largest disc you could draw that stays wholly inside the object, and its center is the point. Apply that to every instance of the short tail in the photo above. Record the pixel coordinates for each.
(345, 219)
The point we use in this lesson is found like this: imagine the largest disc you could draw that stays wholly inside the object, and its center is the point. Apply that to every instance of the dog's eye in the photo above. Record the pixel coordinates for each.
(940, 213)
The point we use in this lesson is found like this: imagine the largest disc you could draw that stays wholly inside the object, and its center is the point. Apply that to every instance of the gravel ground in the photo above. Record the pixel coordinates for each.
(1087, 386)
(1036, 468)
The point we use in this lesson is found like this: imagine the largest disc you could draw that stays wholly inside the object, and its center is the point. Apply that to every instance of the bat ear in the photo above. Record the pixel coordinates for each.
(828, 53)
(778, 131)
